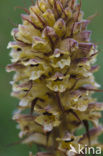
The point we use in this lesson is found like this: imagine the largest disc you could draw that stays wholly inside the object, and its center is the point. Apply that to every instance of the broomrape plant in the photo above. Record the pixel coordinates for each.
(53, 58)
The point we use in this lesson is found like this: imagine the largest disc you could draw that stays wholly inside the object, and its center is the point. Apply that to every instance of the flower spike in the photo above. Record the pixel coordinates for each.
(53, 56)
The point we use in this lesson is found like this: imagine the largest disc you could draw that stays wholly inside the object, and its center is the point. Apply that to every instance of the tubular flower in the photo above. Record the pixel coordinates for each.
(53, 58)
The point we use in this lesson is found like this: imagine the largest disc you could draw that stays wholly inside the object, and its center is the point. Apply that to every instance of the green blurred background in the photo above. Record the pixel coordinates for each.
(8, 131)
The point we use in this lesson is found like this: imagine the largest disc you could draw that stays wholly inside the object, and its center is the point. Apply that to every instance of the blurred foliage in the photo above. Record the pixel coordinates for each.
(8, 131)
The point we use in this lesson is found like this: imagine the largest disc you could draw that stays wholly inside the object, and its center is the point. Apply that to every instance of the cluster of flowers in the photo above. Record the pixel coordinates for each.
(53, 58)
